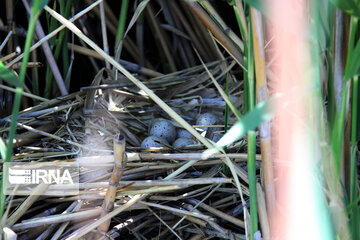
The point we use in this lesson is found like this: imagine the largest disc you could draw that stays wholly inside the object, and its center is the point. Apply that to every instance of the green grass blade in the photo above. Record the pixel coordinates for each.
(2, 148)
(251, 151)
(35, 12)
(122, 21)
(61, 44)
(9, 77)
(257, 4)
(354, 193)
(261, 113)
(338, 131)
(252, 137)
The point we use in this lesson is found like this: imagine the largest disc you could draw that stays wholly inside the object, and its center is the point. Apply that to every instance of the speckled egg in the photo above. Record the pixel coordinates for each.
(183, 142)
(149, 142)
(183, 133)
(164, 129)
(207, 119)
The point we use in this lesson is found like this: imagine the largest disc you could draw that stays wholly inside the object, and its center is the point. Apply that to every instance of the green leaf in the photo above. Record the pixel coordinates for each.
(257, 4)
(2, 149)
(43, 3)
(250, 121)
(353, 67)
(8, 76)
(263, 112)
(350, 7)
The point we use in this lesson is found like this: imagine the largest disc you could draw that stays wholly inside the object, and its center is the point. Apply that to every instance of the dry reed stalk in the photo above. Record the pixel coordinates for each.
(217, 32)
(175, 210)
(20, 211)
(152, 190)
(91, 53)
(52, 102)
(53, 33)
(194, 208)
(58, 218)
(26, 94)
(9, 56)
(51, 228)
(212, 224)
(6, 40)
(240, 10)
(194, 193)
(28, 65)
(48, 54)
(103, 32)
(228, 30)
(149, 183)
(138, 83)
(224, 200)
(201, 33)
(262, 95)
(30, 137)
(57, 138)
(196, 236)
(161, 37)
(120, 164)
(221, 91)
(163, 222)
(219, 213)
(10, 24)
(135, 156)
(183, 21)
(114, 232)
(264, 221)
(63, 226)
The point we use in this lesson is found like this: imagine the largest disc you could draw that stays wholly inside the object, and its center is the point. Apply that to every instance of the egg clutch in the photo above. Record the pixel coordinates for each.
(162, 132)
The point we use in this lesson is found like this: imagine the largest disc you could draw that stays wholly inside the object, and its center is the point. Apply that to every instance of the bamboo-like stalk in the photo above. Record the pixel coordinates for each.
(261, 96)
(30, 137)
(120, 164)
(263, 217)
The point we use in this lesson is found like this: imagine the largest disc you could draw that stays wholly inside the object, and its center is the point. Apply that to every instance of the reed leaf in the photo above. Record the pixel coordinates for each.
(9, 77)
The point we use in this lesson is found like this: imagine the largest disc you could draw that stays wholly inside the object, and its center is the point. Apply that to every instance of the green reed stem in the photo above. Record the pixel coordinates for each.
(35, 12)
